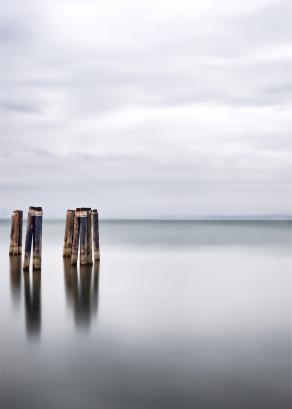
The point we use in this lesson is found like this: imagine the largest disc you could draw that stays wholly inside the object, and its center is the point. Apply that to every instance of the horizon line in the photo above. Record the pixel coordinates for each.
(195, 218)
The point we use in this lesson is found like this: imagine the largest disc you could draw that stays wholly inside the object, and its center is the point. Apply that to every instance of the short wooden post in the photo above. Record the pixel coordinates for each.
(37, 238)
(28, 238)
(16, 233)
(95, 229)
(69, 229)
(83, 236)
(76, 232)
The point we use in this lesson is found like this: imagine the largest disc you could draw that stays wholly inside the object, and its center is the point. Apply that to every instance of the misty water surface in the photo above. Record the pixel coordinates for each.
(177, 315)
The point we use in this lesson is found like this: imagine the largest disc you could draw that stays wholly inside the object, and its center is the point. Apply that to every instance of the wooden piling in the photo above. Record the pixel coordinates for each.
(16, 233)
(76, 232)
(28, 238)
(69, 230)
(83, 236)
(95, 229)
(33, 238)
(89, 238)
(37, 238)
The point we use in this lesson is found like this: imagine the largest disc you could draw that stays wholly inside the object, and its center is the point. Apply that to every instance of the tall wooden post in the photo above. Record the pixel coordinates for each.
(16, 233)
(37, 238)
(95, 229)
(33, 238)
(83, 236)
(76, 232)
(89, 238)
(28, 238)
(69, 229)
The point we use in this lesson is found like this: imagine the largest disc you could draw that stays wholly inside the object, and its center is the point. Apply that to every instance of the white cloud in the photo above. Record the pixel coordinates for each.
(152, 108)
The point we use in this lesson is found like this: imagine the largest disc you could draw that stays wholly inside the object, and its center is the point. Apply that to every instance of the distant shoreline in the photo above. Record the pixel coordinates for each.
(186, 219)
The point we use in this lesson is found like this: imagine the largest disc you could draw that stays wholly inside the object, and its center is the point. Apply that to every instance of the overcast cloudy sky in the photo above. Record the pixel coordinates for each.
(149, 108)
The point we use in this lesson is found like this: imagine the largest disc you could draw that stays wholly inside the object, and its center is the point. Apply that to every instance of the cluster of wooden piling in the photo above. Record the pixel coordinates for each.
(81, 236)
(33, 239)
(81, 232)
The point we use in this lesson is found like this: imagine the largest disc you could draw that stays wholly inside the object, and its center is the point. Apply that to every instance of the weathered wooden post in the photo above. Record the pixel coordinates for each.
(76, 232)
(69, 229)
(83, 236)
(16, 233)
(28, 238)
(95, 229)
(37, 238)
(33, 238)
(89, 237)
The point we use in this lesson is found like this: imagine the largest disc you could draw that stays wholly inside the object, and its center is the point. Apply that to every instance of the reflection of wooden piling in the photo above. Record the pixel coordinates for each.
(33, 237)
(16, 233)
(75, 243)
(33, 303)
(69, 229)
(95, 229)
(15, 277)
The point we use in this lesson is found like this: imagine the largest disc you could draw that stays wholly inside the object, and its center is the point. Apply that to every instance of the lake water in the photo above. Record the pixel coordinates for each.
(178, 315)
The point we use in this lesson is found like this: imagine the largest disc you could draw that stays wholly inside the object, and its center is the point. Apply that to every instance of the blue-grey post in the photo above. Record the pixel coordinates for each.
(83, 235)
(69, 229)
(28, 238)
(37, 238)
(76, 232)
(16, 233)
(95, 229)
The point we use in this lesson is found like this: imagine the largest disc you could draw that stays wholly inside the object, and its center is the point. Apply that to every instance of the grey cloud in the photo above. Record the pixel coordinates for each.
(186, 113)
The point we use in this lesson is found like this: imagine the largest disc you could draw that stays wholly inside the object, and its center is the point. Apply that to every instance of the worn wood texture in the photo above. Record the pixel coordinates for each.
(69, 230)
(83, 236)
(16, 233)
(37, 239)
(89, 237)
(76, 233)
(33, 238)
(95, 229)
(28, 238)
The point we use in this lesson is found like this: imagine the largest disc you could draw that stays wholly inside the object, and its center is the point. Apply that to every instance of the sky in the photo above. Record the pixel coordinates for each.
(146, 109)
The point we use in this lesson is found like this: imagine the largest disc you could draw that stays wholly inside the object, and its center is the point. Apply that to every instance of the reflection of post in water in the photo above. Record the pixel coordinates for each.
(95, 285)
(82, 290)
(32, 293)
(15, 277)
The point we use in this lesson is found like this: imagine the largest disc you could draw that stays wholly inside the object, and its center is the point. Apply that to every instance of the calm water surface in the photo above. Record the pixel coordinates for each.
(178, 315)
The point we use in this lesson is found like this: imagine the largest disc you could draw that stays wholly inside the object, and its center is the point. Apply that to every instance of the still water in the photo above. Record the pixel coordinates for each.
(178, 315)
